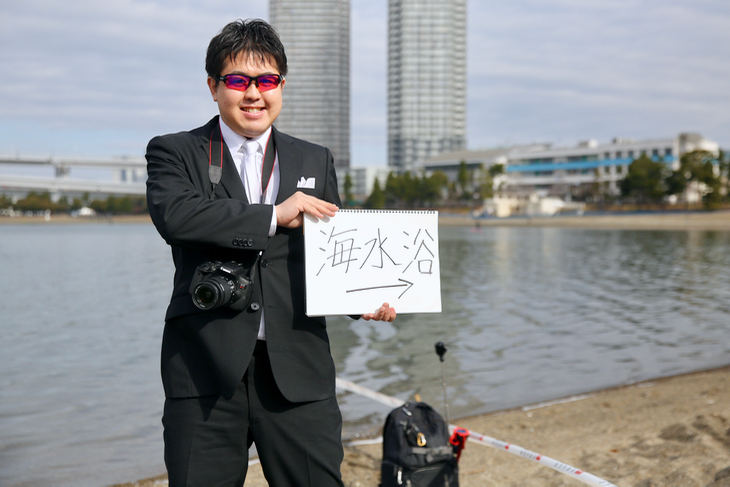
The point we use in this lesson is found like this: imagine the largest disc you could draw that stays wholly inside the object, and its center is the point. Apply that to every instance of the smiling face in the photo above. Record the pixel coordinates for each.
(248, 113)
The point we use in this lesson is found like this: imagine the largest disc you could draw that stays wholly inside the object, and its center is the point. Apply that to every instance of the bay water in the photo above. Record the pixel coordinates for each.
(529, 315)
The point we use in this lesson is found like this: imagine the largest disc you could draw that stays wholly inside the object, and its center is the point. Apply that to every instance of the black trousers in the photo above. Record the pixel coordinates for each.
(207, 438)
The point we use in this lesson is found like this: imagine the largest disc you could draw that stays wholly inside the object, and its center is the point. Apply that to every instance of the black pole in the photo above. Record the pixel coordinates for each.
(441, 351)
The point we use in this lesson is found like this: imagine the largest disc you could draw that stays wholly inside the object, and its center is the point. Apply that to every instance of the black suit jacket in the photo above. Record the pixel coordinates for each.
(207, 352)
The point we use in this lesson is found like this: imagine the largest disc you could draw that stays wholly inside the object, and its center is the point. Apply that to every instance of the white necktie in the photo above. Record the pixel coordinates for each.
(250, 171)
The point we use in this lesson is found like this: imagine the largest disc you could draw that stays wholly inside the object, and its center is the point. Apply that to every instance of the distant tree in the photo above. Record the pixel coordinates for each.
(598, 189)
(485, 179)
(5, 201)
(724, 161)
(75, 203)
(698, 167)
(463, 177)
(645, 180)
(376, 199)
(433, 188)
(401, 190)
(410, 187)
(348, 190)
(392, 191)
(36, 202)
(99, 206)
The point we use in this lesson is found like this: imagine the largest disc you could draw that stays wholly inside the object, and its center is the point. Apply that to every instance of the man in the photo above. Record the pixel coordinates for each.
(263, 374)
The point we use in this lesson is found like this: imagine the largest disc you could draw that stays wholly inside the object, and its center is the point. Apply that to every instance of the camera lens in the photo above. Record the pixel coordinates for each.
(206, 296)
(212, 293)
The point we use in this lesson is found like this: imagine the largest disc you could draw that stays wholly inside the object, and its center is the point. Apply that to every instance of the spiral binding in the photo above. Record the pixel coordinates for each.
(389, 211)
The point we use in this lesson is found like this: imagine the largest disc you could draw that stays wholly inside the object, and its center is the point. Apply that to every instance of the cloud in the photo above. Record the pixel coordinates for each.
(571, 70)
(119, 71)
(115, 65)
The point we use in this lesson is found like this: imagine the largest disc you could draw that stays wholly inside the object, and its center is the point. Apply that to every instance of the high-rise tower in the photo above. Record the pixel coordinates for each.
(426, 79)
(316, 35)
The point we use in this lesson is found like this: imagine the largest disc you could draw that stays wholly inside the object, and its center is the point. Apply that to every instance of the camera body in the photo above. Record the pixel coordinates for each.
(217, 284)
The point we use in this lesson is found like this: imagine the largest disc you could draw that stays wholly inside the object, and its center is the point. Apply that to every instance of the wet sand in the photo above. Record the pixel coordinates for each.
(667, 432)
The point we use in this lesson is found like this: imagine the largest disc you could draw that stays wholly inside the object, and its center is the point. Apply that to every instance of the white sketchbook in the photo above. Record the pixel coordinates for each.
(359, 259)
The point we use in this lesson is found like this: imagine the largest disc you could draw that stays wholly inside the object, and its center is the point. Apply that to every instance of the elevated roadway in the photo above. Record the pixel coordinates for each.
(129, 176)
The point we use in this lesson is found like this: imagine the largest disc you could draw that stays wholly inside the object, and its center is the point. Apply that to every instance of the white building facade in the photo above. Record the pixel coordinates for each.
(426, 79)
(547, 171)
(316, 36)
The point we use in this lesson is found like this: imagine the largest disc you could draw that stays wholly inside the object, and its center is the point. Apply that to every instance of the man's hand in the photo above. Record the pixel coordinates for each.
(384, 313)
(290, 213)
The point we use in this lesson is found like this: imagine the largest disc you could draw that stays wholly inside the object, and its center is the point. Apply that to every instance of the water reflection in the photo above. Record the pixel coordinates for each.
(536, 313)
(529, 314)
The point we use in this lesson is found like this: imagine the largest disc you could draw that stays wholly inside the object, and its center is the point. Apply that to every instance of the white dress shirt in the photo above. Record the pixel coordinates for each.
(250, 172)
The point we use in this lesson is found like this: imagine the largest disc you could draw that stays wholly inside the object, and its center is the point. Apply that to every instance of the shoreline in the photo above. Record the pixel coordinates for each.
(668, 431)
(671, 220)
(692, 220)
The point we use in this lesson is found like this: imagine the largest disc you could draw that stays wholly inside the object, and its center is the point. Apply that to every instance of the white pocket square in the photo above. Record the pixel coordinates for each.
(307, 183)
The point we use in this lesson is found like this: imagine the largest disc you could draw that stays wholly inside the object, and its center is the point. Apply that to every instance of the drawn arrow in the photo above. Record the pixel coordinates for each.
(407, 285)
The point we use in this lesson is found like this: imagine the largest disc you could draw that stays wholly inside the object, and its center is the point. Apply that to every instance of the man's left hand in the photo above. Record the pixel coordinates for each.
(384, 313)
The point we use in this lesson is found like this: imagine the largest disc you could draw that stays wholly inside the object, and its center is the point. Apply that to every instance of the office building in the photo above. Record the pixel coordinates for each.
(426, 79)
(316, 35)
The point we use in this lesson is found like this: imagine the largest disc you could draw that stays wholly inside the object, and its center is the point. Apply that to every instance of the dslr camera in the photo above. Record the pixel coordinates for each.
(217, 284)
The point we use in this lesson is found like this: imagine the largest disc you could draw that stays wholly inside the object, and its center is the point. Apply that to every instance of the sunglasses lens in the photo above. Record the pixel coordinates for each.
(237, 82)
(241, 83)
(268, 82)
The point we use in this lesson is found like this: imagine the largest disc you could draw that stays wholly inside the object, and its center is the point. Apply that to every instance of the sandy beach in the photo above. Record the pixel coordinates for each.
(692, 220)
(718, 220)
(667, 432)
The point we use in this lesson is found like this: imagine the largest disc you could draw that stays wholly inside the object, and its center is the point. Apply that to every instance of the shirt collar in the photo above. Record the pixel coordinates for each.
(234, 141)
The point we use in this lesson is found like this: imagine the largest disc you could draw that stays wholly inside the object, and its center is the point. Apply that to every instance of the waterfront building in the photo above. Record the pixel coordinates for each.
(426, 79)
(564, 171)
(316, 35)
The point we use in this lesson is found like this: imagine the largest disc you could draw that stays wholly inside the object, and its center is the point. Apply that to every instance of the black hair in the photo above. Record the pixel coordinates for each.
(254, 37)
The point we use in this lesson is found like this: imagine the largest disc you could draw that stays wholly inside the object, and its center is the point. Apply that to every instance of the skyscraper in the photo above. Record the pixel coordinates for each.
(316, 35)
(426, 79)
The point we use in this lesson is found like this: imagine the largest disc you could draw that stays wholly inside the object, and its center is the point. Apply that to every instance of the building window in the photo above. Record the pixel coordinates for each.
(630, 154)
(619, 154)
(655, 152)
(668, 151)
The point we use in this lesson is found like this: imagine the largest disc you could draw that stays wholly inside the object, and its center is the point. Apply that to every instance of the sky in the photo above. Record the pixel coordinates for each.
(99, 79)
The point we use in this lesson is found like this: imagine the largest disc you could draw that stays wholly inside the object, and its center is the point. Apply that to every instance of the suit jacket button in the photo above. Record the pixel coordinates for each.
(255, 306)
(250, 242)
(264, 263)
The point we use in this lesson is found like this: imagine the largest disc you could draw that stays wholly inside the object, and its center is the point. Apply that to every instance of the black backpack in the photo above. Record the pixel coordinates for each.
(416, 449)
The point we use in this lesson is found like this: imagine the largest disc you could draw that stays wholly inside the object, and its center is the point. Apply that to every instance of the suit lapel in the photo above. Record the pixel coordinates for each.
(216, 151)
(290, 165)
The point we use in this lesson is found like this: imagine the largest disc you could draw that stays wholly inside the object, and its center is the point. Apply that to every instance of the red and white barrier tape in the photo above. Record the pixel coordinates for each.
(563, 468)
